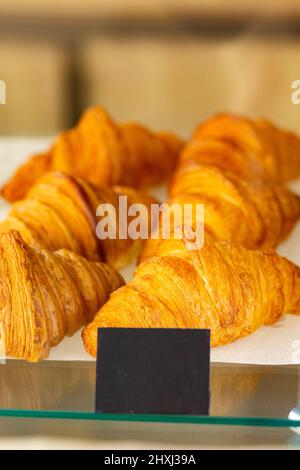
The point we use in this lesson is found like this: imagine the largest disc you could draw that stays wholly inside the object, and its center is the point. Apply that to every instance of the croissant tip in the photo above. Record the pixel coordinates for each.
(89, 345)
(11, 235)
(7, 194)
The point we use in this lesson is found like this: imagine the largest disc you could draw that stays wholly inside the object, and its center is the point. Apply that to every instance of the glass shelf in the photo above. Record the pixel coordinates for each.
(240, 394)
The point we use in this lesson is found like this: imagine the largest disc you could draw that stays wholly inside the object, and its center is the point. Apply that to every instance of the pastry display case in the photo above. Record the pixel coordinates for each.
(193, 107)
(64, 386)
(241, 395)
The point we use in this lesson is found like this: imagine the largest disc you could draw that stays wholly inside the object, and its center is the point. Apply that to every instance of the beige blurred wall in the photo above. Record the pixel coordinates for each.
(161, 74)
(37, 94)
(174, 83)
(169, 83)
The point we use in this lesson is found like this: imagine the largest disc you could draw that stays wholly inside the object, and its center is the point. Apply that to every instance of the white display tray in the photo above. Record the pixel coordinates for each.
(278, 344)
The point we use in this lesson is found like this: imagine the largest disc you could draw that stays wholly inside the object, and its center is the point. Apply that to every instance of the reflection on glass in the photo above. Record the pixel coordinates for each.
(236, 390)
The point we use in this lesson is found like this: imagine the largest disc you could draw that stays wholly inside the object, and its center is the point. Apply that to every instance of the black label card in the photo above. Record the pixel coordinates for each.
(153, 371)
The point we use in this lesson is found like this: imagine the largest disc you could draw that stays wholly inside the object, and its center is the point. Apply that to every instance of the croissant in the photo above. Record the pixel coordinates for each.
(46, 296)
(60, 212)
(252, 149)
(222, 287)
(103, 153)
(255, 215)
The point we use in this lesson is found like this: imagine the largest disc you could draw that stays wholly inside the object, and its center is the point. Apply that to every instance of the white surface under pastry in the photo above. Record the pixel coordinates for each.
(277, 344)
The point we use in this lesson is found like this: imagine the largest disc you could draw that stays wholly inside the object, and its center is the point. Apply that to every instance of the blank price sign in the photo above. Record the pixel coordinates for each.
(153, 371)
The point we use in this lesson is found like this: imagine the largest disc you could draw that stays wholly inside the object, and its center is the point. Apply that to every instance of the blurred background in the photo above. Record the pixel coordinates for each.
(166, 63)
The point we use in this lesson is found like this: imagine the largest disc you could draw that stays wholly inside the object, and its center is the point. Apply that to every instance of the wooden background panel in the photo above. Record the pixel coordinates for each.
(37, 95)
(163, 83)
(176, 83)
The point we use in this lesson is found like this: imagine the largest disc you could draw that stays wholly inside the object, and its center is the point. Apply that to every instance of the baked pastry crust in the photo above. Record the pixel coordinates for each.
(59, 211)
(46, 296)
(252, 149)
(222, 287)
(253, 214)
(103, 153)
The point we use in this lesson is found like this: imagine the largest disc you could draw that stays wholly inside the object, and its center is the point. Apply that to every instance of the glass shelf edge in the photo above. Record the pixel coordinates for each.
(208, 420)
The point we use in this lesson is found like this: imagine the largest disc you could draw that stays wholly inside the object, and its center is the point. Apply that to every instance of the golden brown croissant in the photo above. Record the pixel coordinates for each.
(60, 212)
(103, 153)
(26, 176)
(251, 214)
(222, 287)
(252, 149)
(46, 296)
